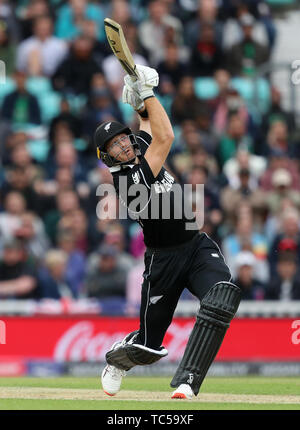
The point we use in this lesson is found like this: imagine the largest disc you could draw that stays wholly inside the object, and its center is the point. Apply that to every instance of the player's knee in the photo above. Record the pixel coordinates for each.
(221, 303)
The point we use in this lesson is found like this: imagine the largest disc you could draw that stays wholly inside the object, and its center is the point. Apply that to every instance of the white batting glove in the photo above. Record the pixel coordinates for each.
(132, 98)
(143, 86)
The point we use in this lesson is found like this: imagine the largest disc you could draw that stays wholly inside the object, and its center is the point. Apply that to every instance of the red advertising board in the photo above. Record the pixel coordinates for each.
(64, 339)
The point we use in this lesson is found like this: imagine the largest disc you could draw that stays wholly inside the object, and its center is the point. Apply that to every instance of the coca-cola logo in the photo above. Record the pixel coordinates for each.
(82, 343)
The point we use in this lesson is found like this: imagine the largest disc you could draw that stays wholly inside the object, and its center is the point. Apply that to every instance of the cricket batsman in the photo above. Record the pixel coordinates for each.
(175, 257)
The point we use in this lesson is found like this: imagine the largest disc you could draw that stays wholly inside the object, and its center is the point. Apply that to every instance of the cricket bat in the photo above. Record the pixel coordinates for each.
(118, 44)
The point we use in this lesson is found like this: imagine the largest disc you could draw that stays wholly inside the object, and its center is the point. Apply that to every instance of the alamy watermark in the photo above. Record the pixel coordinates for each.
(296, 74)
(2, 72)
(2, 333)
(161, 200)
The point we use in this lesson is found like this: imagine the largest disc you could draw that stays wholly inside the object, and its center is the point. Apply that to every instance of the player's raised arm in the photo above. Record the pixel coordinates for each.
(159, 124)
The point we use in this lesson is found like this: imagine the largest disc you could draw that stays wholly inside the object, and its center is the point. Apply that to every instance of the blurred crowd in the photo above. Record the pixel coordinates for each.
(62, 80)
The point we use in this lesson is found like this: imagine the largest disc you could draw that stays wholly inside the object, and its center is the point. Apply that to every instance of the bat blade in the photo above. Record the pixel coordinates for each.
(118, 44)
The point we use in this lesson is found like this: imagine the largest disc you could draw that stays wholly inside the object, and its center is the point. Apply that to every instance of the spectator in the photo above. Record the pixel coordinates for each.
(102, 106)
(20, 157)
(285, 285)
(63, 181)
(8, 16)
(66, 202)
(76, 261)
(7, 49)
(10, 219)
(207, 12)
(66, 156)
(278, 159)
(77, 222)
(20, 179)
(20, 107)
(233, 196)
(119, 11)
(243, 159)
(74, 75)
(203, 116)
(244, 57)
(287, 238)
(52, 276)
(41, 54)
(235, 138)
(278, 138)
(245, 238)
(171, 68)
(18, 279)
(252, 289)
(28, 13)
(229, 102)
(277, 112)
(185, 102)
(32, 235)
(67, 118)
(71, 16)
(206, 55)
(281, 182)
(115, 236)
(263, 28)
(107, 279)
(153, 31)
(212, 210)
(191, 151)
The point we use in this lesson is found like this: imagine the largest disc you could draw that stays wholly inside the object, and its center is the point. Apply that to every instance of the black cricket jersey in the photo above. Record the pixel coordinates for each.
(158, 204)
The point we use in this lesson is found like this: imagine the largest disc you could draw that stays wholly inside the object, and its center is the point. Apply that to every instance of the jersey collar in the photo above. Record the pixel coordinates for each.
(118, 168)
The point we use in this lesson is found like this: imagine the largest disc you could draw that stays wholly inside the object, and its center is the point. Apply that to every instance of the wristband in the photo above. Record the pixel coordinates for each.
(149, 97)
(144, 114)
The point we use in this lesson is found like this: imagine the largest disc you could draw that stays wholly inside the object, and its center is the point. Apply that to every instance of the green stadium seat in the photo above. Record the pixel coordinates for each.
(38, 85)
(281, 2)
(38, 149)
(206, 88)
(50, 106)
(127, 111)
(244, 86)
(253, 91)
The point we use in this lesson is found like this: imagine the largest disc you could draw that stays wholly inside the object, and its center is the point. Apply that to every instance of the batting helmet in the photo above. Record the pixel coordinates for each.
(107, 131)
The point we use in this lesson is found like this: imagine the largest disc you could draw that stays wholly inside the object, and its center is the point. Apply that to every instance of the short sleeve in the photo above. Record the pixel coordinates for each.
(144, 139)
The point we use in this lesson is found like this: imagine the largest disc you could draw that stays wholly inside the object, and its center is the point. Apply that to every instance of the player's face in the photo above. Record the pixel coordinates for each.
(120, 148)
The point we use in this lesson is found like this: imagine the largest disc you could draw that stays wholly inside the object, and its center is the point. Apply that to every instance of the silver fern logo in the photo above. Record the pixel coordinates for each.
(107, 127)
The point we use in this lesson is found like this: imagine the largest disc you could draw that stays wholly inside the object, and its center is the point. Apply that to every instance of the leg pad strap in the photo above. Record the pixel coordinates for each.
(129, 355)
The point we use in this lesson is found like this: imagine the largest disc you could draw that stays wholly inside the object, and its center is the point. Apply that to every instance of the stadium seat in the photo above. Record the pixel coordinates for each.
(38, 85)
(281, 2)
(127, 112)
(206, 88)
(38, 149)
(50, 105)
(244, 86)
(257, 92)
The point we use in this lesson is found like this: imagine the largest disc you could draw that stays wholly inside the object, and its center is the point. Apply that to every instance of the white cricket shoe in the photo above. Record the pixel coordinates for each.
(184, 391)
(111, 379)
